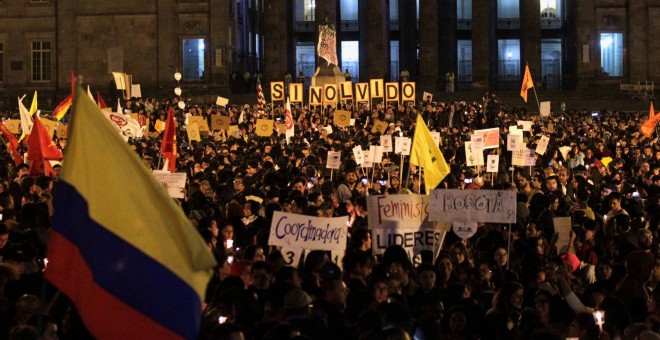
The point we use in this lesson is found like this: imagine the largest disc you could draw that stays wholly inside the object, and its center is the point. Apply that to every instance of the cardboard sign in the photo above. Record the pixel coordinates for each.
(377, 153)
(408, 91)
(530, 157)
(292, 256)
(376, 87)
(493, 163)
(346, 90)
(264, 127)
(379, 127)
(473, 157)
(368, 158)
(14, 125)
(315, 95)
(277, 91)
(330, 95)
(234, 131)
(308, 232)
(334, 160)
(296, 92)
(136, 91)
(219, 122)
(119, 80)
(61, 130)
(391, 92)
(563, 226)
(193, 132)
(221, 101)
(514, 142)
(525, 125)
(490, 206)
(342, 118)
(518, 158)
(201, 123)
(50, 126)
(545, 109)
(362, 92)
(427, 97)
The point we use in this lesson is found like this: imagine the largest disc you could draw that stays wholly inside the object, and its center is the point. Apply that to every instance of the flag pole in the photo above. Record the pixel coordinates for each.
(535, 95)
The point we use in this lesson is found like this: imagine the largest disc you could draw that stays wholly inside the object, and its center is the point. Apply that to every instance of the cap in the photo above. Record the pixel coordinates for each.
(296, 298)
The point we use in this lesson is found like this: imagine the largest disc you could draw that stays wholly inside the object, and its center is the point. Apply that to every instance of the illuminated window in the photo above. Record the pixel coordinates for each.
(309, 9)
(193, 59)
(611, 54)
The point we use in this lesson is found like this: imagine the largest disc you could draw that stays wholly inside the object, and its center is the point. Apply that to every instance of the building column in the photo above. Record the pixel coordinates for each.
(429, 74)
(586, 41)
(169, 57)
(531, 40)
(377, 41)
(637, 54)
(221, 40)
(275, 31)
(481, 43)
(448, 38)
(407, 38)
(66, 44)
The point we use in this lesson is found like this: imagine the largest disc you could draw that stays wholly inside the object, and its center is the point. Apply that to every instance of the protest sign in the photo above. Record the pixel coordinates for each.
(477, 141)
(493, 163)
(234, 131)
(379, 126)
(525, 125)
(193, 132)
(494, 206)
(202, 124)
(408, 91)
(264, 127)
(402, 145)
(136, 91)
(296, 93)
(359, 155)
(543, 145)
(514, 142)
(545, 109)
(401, 220)
(334, 160)
(342, 118)
(464, 230)
(174, 183)
(473, 157)
(427, 97)
(377, 153)
(221, 101)
(491, 137)
(563, 230)
(368, 158)
(308, 232)
(219, 122)
(61, 130)
(386, 143)
(518, 158)
(530, 157)
(292, 256)
(13, 125)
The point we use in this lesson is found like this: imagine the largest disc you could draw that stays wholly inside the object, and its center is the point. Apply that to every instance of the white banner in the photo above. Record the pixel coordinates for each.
(127, 126)
(314, 233)
(514, 142)
(402, 220)
(377, 151)
(368, 157)
(530, 157)
(292, 256)
(494, 206)
(334, 160)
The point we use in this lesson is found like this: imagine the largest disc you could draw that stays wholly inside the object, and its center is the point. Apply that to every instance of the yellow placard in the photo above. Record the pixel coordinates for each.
(281, 128)
(14, 125)
(264, 127)
(219, 122)
(234, 131)
(391, 92)
(408, 91)
(276, 91)
(50, 126)
(330, 95)
(201, 123)
(315, 95)
(193, 132)
(296, 92)
(376, 87)
(346, 90)
(61, 130)
(361, 92)
(342, 118)
(134, 116)
(379, 127)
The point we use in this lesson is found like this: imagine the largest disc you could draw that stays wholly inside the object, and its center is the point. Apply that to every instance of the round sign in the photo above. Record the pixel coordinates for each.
(288, 119)
(464, 229)
(182, 105)
(177, 91)
(177, 76)
(120, 121)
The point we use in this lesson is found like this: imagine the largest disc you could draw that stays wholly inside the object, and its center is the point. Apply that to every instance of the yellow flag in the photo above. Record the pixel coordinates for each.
(426, 154)
(526, 84)
(33, 107)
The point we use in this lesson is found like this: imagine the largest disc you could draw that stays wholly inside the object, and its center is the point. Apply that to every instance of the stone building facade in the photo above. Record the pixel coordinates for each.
(568, 44)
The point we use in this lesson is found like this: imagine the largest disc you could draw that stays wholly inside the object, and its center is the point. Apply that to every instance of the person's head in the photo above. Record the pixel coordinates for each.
(459, 253)
(261, 275)
(426, 277)
(335, 292)
(604, 269)
(47, 325)
(501, 256)
(509, 297)
(351, 177)
(644, 239)
(614, 201)
(239, 186)
(552, 183)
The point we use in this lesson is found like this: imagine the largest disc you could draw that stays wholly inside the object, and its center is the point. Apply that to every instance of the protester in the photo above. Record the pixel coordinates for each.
(506, 281)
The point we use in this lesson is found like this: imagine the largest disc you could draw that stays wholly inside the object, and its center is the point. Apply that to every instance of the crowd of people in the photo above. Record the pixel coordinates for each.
(508, 281)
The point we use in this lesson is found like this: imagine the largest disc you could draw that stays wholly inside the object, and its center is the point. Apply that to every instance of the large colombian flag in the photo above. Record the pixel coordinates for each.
(120, 248)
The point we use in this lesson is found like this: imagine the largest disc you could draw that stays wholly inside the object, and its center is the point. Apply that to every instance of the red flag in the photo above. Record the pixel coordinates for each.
(63, 108)
(41, 148)
(100, 101)
(13, 143)
(168, 145)
(648, 126)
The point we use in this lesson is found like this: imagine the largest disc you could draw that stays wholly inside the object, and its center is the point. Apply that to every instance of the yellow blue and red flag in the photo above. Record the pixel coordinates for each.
(120, 248)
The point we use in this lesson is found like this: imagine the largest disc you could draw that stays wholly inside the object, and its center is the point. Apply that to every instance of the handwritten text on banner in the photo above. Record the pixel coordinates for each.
(494, 206)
